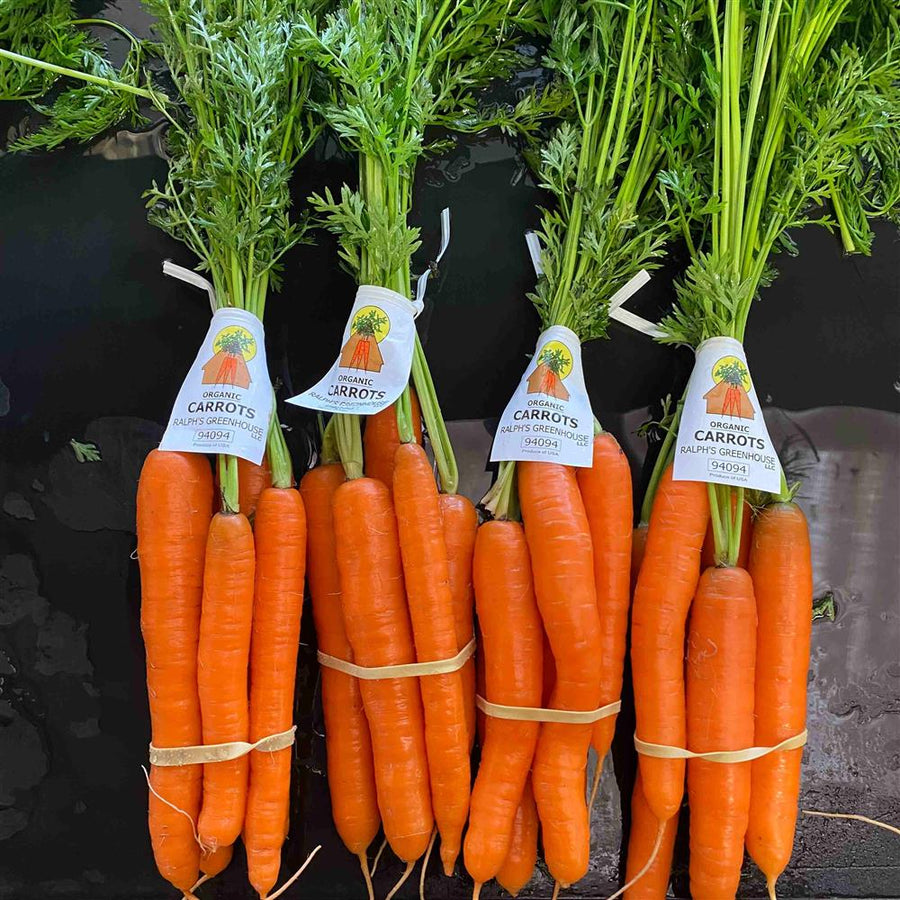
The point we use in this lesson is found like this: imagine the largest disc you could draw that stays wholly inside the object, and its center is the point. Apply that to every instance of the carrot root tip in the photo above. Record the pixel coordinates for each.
(770, 887)
(377, 858)
(406, 873)
(364, 865)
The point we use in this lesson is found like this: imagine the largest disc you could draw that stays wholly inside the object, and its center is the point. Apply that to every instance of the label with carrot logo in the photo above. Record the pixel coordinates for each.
(373, 365)
(225, 403)
(549, 418)
(723, 437)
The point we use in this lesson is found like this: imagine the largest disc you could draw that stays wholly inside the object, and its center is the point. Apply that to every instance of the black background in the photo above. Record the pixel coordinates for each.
(94, 343)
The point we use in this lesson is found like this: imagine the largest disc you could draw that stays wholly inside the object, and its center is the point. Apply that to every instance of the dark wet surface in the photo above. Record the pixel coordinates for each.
(94, 342)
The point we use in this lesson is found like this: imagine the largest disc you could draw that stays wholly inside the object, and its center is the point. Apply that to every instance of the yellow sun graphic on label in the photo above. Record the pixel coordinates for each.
(733, 370)
(371, 321)
(235, 340)
(556, 355)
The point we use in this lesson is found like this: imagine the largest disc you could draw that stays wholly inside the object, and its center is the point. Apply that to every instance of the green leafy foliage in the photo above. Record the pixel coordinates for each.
(803, 100)
(42, 29)
(82, 112)
(395, 68)
(608, 220)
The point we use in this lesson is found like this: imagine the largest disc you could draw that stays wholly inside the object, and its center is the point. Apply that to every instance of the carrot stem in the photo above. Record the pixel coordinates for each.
(279, 457)
(434, 421)
(229, 483)
(329, 451)
(662, 461)
(403, 407)
(348, 440)
(502, 500)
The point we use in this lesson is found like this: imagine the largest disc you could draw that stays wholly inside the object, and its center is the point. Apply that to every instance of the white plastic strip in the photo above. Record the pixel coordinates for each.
(189, 276)
(624, 316)
(533, 242)
(422, 283)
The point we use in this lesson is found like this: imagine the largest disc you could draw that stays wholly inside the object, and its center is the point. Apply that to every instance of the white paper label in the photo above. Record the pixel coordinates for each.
(723, 437)
(373, 366)
(549, 418)
(225, 403)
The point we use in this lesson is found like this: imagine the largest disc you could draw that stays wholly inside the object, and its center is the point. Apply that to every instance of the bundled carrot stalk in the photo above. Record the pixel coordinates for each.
(762, 148)
(599, 164)
(235, 131)
(401, 68)
(175, 499)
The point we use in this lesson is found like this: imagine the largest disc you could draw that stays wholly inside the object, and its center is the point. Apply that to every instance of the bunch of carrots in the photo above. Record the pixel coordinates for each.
(220, 615)
(657, 132)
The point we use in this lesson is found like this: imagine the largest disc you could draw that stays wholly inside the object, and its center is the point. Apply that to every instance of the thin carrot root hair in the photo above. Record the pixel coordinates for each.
(854, 816)
(476, 891)
(407, 872)
(201, 880)
(556, 889)
(364, 865)
(203, 847)
(647, 865)
(770, 887)
(293, 877)
(377, 857)
(425, 864)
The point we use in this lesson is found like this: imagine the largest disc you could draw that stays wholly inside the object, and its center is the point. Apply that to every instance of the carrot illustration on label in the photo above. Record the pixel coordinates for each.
(234, 346)
(554, 364)
(729, 396)
(370, 326)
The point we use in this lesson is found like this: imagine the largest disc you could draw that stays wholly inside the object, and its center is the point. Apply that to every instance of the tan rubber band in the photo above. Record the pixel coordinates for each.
(212, 753)
(662, 751)
(406, 670)
(538, 714)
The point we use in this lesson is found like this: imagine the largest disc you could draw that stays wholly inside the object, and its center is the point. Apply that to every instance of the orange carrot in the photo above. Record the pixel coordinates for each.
(480, 717)
(549, 672)
(665, 587)
(513, 647)
(642, 837)
(378, 627)
(721, 655)
(562, 561)
(518, 867)
(426, 572)
(606, 491)
(351, 773)
(212, 864)
(460, 524)
(174, 508)
(222, 668)
(708, 556)
(381, 439)
(781, 568)
(280, 532)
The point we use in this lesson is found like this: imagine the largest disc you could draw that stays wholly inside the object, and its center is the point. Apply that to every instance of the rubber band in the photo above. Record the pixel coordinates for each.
(405, 670)
(540, 714)
(663, 751)
(213, 753)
